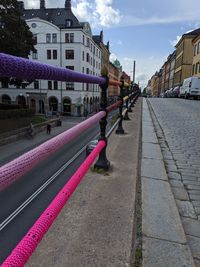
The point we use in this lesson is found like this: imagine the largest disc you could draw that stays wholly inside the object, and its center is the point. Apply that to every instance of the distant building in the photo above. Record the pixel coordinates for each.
(113, 91)
(172, 61)
(105, 49)
(184, 57)
(65, 42)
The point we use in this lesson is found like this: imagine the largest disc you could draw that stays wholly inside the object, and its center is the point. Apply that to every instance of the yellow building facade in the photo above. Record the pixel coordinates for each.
(196, 57)
(184, 57)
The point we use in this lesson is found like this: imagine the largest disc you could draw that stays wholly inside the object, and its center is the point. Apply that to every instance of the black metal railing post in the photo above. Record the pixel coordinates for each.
(120, 129)
(130, 98)
(103, 162)
(126, 117)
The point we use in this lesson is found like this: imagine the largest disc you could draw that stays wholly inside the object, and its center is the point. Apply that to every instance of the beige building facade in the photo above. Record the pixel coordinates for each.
(184, 57)
(196, 57)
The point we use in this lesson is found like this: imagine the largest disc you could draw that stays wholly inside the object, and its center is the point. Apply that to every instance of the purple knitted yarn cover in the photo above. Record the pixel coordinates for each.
(22, 68)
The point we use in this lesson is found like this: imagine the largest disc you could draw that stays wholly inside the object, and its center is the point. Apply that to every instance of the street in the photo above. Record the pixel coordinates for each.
(177, 126)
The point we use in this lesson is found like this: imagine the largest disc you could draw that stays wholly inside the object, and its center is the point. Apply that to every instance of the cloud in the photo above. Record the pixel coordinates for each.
(31, 4)
(113, 57)
(174, 42)
(119, 42)
(100, 13)
(107, 14)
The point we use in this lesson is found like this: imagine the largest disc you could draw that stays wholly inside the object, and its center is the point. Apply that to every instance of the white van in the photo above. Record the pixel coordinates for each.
(190, 87)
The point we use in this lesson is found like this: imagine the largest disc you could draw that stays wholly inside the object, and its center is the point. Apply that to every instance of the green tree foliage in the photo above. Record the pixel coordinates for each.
(15, 37)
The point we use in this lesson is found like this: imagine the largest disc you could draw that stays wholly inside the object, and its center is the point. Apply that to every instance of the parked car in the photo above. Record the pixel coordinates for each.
(191, 87)
(91, 146)
(176, 91)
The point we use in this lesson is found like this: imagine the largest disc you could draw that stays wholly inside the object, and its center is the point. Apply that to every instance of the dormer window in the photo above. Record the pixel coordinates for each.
(68, 23)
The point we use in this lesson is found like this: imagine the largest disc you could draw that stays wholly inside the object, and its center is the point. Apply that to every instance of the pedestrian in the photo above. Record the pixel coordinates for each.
(31, 130)
(48, 128)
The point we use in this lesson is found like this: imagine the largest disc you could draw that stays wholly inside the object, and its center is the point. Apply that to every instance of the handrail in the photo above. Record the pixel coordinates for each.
(24, 249)
(117, 83)
(114, 106)
(27, 69)
(13, 170)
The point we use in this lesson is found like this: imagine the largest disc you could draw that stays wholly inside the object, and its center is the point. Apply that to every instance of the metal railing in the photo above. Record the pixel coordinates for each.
(11, 66)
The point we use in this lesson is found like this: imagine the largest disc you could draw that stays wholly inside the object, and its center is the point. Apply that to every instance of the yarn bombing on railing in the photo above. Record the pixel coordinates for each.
(22, 68)
(13, 170)
(21, 253)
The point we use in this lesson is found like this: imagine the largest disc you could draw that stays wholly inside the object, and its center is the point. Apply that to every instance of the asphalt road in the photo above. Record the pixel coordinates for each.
(17, 193)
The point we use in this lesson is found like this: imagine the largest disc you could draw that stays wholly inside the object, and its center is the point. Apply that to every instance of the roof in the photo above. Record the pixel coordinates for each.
(57, 16)
(189, 34)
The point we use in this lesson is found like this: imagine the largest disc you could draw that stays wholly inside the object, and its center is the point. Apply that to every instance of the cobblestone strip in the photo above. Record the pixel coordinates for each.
(184, 177)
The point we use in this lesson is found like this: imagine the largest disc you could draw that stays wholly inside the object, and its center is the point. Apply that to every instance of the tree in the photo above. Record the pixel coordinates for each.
(15, 37)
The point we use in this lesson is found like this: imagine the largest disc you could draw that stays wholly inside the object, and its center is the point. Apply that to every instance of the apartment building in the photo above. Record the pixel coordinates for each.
(196, 57)
(184, 57)
(113, 91)
(61, 40)
(172, 60)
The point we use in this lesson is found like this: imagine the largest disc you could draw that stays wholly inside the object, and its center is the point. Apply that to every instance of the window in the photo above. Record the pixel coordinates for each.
(48, 38)
(83, 70)
(70, 86)
(69, 37)
(198, 48)
(36, 84)
(35, 55)
(68, 23)
(70, 67)
(83, 39)
(83, 55)
(193, 69)
(69, 54)
(49, 85)
(35, 39)
(54, 54)
(87, 70)
(55, 84)
(48, 54)
(197, 67)
(88, 57)
(88, 42)
(54, 38)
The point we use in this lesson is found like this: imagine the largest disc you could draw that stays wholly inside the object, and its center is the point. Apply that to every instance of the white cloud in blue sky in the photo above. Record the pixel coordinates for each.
(141, 30)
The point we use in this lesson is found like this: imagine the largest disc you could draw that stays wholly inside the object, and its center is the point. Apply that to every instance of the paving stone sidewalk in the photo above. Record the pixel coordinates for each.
(181, 161)
(164, 240)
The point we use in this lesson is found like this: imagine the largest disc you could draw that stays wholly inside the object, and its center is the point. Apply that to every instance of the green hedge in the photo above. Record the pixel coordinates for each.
(8, 106)
(16, 113)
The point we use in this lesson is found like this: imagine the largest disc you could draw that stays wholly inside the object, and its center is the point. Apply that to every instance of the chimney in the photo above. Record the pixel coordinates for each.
(68, 4)
(42, 4)
(21, 5)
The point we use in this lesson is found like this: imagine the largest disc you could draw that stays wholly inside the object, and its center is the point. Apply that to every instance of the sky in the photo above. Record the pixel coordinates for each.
(141, 30)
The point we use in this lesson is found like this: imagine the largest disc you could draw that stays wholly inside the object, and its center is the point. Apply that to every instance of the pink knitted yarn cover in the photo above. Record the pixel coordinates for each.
(21, 253)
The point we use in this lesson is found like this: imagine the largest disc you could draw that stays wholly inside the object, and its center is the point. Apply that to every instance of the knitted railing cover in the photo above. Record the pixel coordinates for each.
(28, 244)
(113, 106)
(13, 170)
(11, 66)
